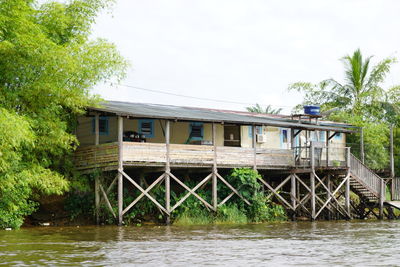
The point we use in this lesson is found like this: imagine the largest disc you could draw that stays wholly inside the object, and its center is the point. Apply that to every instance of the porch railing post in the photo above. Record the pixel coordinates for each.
(120, 169)
(167, 171)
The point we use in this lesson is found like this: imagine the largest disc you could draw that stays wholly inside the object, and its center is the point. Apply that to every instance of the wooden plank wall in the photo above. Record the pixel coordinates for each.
(100, 156)
(204, 155)
(396, 188)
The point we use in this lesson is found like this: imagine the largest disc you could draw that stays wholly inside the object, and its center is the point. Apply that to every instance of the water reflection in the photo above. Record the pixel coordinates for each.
(303, 243)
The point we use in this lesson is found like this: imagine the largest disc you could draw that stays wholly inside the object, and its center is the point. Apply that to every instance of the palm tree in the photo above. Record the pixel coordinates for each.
(361, 90)
(257, 108)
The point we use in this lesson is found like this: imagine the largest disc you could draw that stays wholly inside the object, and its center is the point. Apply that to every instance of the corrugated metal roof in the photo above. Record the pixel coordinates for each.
(142, 110)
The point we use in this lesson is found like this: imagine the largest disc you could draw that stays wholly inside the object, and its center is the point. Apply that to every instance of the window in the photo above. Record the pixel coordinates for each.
(103, 126)
(284, 136)
(259, 130)
(322, 136)
(146, 127)
(196, 131)
(338, 136)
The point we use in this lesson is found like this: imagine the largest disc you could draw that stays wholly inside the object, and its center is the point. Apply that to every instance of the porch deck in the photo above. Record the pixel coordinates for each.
(105, 156)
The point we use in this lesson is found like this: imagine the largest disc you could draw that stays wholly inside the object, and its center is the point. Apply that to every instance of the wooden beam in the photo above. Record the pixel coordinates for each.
(332, 135)
(293, 194)
(391, 153)
(204, 181)
(156, 182)
(144, 192)
(97, 178)
(191, 191)
(312, 189)
(107, 201)
(347, 196)
(233, 189)
(167, 171)
(214, 171)
(382, 197)
(274, 191)
(327, 148)
(254, 145)
(120, 169)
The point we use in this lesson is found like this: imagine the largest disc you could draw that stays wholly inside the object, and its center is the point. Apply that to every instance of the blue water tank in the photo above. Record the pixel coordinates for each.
(312, 110)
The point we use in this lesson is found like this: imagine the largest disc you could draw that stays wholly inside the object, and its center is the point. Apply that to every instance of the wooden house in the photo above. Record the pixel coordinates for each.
(132, 139)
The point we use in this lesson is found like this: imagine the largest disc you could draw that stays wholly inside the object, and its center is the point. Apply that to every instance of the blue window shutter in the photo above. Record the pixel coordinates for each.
(146, 127)
(196, 131)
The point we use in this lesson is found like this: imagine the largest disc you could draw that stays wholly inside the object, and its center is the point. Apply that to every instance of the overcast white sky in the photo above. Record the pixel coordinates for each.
(244, 51)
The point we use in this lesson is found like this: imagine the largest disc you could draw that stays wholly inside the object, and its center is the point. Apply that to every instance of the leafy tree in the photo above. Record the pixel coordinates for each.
(362, 101)
(257, 108)
(48, 64)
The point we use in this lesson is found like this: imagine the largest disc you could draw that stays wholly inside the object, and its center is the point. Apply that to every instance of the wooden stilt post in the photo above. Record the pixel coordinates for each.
(362, 154)
(120, 170)
(96, 179)
(327, 148)
(312, 182)
(167, 171)
(329, 185)
(382, 194)
(392, 174)
(214, 175)
(347, 196)
(347, 190)
(254, 146)
(312, 187)
(293, 195)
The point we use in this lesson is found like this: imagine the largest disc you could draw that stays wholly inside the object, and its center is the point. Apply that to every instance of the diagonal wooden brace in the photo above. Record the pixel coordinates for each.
(208, 205)
(143, 191)
(332, 196)
(205, 180)
(277, 194)
(157, 181)
(280, 185)
(107, 201)
(233, 189)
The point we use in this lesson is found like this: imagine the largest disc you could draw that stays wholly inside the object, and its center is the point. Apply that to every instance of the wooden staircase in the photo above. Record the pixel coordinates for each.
(363, 181)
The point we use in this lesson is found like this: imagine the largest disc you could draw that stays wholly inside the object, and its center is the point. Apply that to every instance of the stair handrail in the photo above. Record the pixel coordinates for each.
(368, 177)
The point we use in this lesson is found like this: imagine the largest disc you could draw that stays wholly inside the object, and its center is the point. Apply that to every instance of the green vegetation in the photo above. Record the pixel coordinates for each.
(47, 66)
(361, 101)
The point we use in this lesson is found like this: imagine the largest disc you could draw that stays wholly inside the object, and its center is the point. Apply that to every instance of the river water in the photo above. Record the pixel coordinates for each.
(365, 243)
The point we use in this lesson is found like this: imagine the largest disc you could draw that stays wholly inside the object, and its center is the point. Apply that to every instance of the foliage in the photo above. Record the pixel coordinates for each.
(361, 101)
(257, 108)
(47, 66)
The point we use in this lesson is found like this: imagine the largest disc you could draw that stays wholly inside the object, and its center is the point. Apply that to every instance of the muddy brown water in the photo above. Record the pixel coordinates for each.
(356, 243)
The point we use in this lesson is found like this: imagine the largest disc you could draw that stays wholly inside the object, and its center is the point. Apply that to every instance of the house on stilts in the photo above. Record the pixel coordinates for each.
(303, 160)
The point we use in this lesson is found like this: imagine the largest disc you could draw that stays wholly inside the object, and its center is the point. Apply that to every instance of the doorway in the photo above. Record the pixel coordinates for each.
(232, 135)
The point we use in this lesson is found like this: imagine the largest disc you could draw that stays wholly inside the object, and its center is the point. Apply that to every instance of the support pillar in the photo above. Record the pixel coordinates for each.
(347, 195)
(254, 147)
(167, 171)
(312, 187)
(96, 179)
(312, 182)
(120, 169)
(329, 185)
(382, 194)
(214, 174)
(293, 195)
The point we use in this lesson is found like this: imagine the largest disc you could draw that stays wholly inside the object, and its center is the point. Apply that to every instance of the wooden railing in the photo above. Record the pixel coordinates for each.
(100, 156)
(369, 178)
(396, 189)
(332, 157)
(202, 155)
